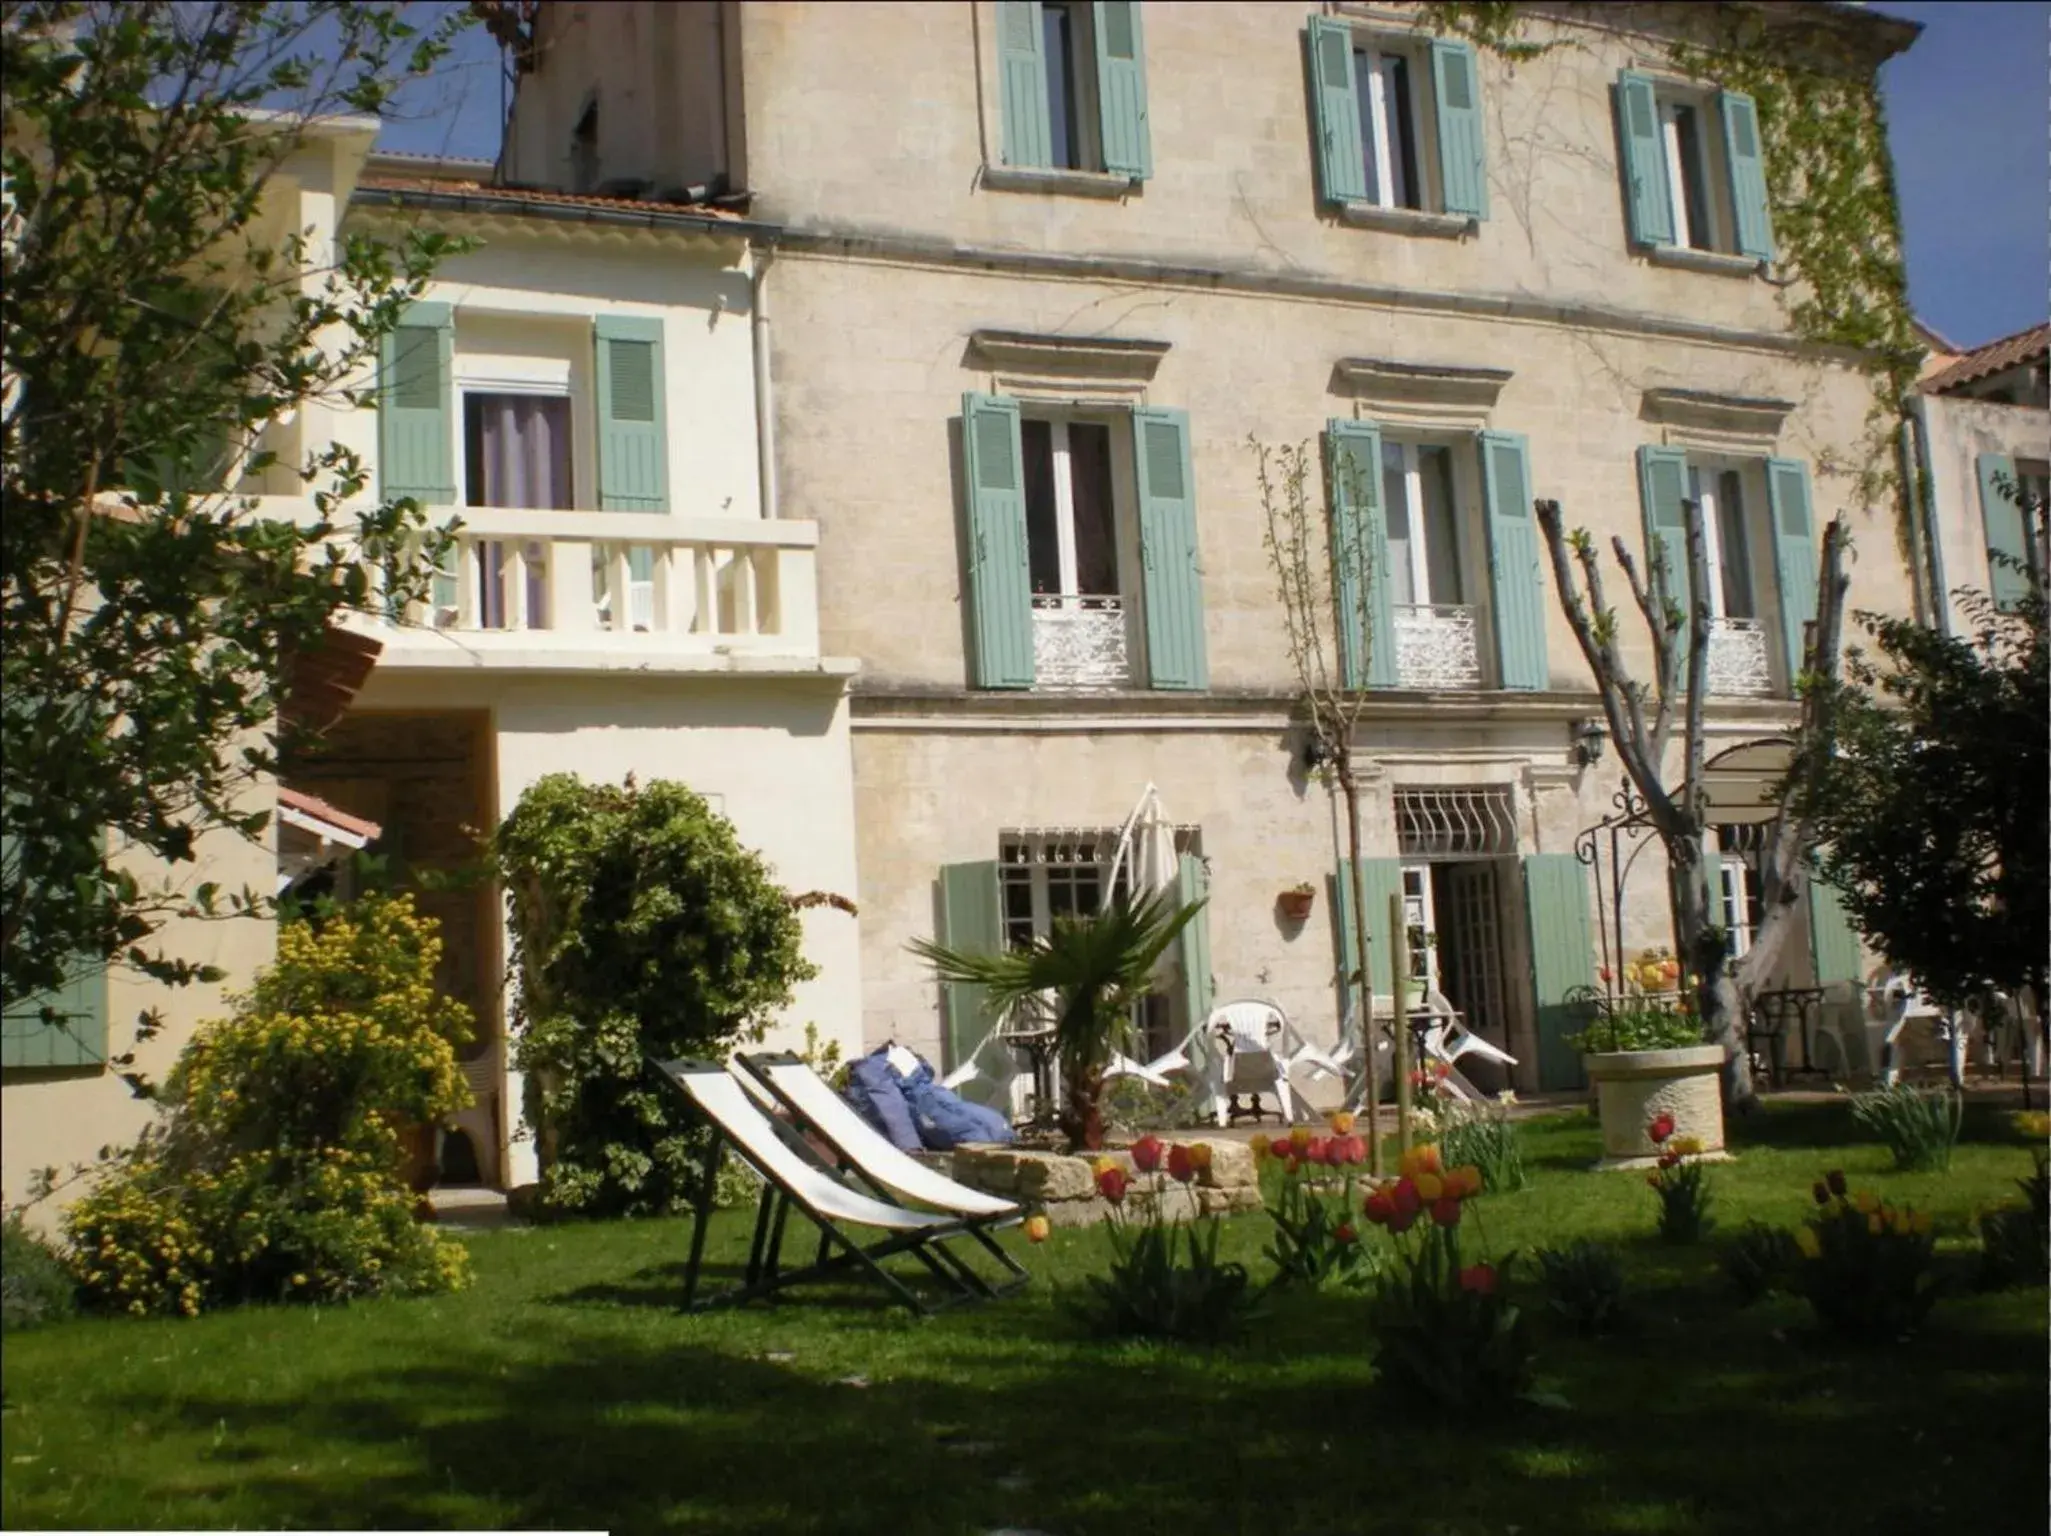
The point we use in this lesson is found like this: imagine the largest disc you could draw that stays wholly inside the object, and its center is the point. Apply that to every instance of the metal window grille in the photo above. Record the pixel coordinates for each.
(1466, 823)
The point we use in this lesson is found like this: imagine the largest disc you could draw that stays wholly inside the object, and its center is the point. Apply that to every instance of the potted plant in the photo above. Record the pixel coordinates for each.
(1294, 903)
(1649, 1064)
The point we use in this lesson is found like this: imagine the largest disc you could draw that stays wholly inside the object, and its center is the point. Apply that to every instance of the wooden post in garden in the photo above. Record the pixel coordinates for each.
(1399, 977)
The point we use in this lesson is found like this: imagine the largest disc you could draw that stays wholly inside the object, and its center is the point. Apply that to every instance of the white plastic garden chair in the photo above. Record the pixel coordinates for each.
(1250, 1056)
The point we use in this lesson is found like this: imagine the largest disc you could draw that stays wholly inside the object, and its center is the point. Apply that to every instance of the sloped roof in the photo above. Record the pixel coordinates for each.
(1995, 357)
(330, 821)
(479, 197)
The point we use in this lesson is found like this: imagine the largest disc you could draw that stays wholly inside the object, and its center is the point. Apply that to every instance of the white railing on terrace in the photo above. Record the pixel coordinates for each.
(610, 579)
(1079, 642)
(1436, 646)
(1739, 664)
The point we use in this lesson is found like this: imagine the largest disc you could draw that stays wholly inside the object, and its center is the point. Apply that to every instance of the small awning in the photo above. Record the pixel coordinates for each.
(1737, 783)
(313, 834)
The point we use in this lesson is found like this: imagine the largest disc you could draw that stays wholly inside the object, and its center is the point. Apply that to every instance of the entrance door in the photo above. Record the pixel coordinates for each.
(1471, 952)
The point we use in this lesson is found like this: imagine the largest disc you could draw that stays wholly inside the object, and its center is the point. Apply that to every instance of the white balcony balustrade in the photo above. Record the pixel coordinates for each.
(1436, 646)
(599, 582)
(1739, 663)
(1079, 642)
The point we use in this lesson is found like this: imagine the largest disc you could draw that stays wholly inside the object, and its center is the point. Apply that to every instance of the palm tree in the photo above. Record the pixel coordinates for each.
(1095, 969)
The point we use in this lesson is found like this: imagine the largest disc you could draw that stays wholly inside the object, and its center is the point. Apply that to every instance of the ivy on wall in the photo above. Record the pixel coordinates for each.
(1829, 182)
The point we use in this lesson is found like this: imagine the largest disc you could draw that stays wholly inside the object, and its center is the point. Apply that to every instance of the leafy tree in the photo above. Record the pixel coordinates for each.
(641, 927)
(1641, 721)
(1933, 807)
(163, 322)
(1096, 969)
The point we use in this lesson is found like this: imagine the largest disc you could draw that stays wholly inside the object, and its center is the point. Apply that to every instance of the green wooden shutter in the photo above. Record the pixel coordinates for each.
(1562, 959)
(1360, 555)
(1195, 939)
(2001, 514)
(1022, 84)
(1748, 174)
(1456, 93)
(1122, 89)
(1000, 582)
(633, 442)
(1662, 486)
(1833, 941)
(1168, 550)
(1517, 582)
(416, 434)
(1380, 879)
(1647, 200)
(77, 1039)
(1794, 555)
(971, 918)
(1335, 112)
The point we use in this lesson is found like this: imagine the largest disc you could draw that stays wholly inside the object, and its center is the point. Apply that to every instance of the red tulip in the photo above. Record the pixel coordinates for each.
(1356, 1149)
(1180, 1167)
(1319, 1150)
(1446, 1210)
(1662, 1127)
(1407, 1201)
(1146, 1153)
(1378, 1208)
(1344, 1232)
(1669, 1159)
(1111, 1184)
(1835, 1179)
(1652, 1179)
(1604, 974)
(1479, 1278)
(1401, 1221)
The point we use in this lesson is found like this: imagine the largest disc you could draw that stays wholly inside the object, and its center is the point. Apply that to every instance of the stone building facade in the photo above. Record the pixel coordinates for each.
(1045, 272)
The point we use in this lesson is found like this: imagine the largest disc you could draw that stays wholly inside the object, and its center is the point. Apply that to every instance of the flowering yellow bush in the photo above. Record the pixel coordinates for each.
(275, 1172)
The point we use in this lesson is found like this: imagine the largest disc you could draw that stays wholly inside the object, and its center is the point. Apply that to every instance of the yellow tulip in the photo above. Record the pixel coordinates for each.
(1258, 1144)
(1342, 1122)
(1102, 1164)
(1429, 1186)
(1805, 1239)
(1299, 1137)
(1865, 1202)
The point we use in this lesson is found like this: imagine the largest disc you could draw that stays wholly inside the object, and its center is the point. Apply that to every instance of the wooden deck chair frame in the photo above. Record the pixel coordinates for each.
(782, 1161)
(866, 1154)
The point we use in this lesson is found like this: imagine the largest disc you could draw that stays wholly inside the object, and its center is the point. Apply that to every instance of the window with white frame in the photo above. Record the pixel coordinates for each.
(1079, 545)
(1738, 889)
(1695, 173)
(1048, 875)
(1719, 489)
(1426, 562)
(1389, 80)
(516, 454)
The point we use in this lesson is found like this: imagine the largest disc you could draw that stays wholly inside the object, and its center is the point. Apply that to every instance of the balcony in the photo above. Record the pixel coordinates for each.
(1079, 643)
(1739, 664)
(599, 590)
(1436, 646)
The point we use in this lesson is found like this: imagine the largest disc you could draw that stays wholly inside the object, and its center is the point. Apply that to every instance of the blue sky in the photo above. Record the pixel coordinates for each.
(1969, 117)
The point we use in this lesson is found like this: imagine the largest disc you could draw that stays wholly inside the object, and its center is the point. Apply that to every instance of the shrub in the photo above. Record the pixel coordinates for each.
(641, 927)
(1682, 1183)
(35, 1285)
(1165, 1279)
(2015, 1242)
(1866, 1266)
(1584, 1284)
(1445, 1332)
(1136, 1107)
(274, 1172)
(1638, 1027)
(1483, 1135)
(1307, 1189)
(1918, 1125)
(1759, 1261)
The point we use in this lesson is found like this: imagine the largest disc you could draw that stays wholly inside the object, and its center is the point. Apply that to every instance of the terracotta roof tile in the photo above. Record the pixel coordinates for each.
(535, 197)
(320, 810)
(1992, 358)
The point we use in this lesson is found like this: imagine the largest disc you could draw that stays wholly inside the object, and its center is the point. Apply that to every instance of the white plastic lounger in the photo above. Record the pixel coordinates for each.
(791, 1178)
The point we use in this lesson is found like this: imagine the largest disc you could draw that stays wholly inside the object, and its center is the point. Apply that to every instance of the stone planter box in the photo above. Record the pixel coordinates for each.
(1064, 1187)
(1631, 1087)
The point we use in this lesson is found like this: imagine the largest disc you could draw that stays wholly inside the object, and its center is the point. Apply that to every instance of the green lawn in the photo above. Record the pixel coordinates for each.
(565, 1390)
